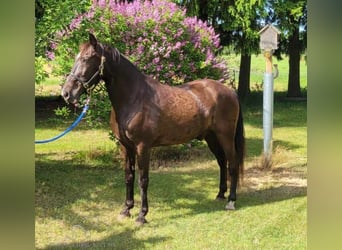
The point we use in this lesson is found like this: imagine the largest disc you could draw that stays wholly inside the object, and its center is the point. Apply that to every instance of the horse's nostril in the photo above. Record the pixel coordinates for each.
(65, 94)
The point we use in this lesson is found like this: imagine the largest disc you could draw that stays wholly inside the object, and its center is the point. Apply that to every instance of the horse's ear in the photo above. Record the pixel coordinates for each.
(92, 40)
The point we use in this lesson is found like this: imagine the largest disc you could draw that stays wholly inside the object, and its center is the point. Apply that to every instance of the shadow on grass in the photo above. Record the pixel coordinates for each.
(62, 184)
(122, 240)
(199, 188)
(270, 195)
(254, 146)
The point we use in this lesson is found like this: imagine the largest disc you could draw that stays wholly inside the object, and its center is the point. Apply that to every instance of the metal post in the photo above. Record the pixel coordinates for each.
(268, 43)
(268, 106)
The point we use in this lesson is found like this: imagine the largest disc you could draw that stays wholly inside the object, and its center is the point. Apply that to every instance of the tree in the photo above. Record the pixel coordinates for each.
(247, 15)
(291, 18)
(238, 22)
(203, 10)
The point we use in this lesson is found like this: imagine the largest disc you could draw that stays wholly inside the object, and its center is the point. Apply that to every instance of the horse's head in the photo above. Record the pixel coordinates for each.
(86, 72)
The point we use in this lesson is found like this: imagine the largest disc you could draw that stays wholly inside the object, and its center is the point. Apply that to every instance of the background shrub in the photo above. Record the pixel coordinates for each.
(155, 35)
(40, 73)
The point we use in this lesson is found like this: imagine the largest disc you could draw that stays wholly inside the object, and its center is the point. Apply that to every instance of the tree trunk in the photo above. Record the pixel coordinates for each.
(294, 65)
(203, 10)
(244, 76)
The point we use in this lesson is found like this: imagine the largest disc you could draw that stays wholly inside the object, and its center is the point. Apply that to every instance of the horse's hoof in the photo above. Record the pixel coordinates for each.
(122, 217)
(220, 198)
(124, 214)
(230, 205)
(141, 221)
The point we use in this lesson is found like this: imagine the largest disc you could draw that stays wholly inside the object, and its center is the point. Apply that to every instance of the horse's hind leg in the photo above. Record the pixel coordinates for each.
(228, 145)
(217, 150)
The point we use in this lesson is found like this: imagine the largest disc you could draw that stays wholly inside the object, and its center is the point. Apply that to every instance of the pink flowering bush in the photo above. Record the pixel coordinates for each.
(155, 35)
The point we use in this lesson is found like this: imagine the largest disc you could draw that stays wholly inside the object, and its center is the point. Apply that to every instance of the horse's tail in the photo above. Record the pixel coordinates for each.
(240, 146)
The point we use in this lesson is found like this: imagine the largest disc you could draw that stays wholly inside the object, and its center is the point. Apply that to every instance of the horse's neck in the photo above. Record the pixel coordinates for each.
(126, 87)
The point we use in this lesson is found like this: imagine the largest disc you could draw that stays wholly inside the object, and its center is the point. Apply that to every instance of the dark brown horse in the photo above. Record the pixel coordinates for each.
(147, 114)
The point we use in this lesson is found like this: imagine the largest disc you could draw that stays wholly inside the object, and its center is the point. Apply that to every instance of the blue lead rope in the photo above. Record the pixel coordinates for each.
(85, 108)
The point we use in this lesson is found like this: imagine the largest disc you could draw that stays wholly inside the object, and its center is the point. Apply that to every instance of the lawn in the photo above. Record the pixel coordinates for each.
(80, 186)
(258, 65)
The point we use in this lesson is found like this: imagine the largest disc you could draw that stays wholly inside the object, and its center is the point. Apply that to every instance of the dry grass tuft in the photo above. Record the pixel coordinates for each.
(281, 156)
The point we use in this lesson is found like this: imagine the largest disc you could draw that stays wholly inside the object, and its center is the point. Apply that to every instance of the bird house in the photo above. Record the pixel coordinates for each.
(269, 38)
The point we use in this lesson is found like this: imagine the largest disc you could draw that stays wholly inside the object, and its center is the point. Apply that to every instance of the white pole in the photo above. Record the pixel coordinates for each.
(268, 106)
(268, 113)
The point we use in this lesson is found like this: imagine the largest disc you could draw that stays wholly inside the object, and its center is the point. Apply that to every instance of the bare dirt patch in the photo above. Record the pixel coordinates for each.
(256, 178)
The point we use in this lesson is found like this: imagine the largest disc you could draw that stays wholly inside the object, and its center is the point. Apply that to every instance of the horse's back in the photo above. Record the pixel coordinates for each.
(212, 92)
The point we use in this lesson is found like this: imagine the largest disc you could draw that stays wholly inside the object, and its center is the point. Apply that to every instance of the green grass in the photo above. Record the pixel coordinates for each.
(258, 65)
(78, 205)
(50, 87)
(80, 190)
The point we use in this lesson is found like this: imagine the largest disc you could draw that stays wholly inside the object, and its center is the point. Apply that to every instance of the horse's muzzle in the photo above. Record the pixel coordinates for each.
(69, 98)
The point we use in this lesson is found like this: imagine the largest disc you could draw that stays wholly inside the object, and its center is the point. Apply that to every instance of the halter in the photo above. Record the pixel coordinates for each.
(86, 84)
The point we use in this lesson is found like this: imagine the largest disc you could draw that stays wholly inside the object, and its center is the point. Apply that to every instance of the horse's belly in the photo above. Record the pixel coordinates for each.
(181, 131)
(182, 116)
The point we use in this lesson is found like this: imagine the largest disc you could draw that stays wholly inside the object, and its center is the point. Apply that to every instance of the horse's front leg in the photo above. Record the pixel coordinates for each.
(129, 156)
(143, 154)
